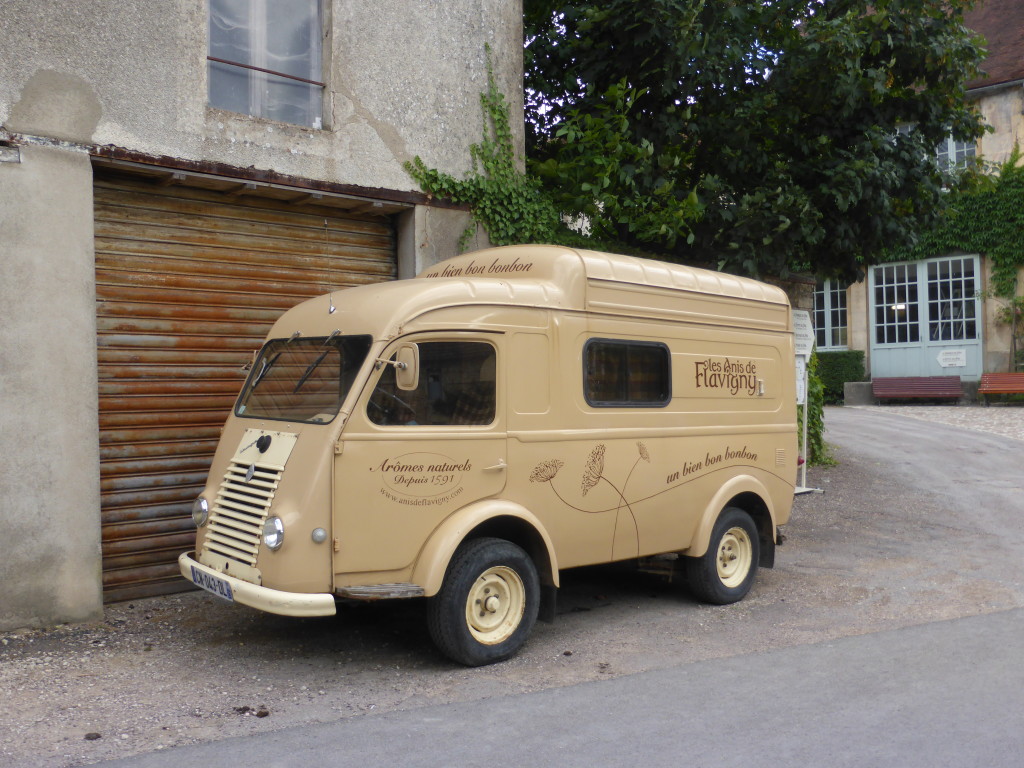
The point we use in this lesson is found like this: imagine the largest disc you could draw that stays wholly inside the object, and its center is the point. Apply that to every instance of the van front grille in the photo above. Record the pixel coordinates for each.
(237, 514)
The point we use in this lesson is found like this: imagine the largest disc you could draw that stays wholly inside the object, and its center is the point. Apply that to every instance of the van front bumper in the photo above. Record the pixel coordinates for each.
(262, 598)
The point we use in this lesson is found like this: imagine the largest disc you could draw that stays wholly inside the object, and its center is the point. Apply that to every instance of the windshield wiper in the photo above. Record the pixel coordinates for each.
(312, 366)
(268, 364)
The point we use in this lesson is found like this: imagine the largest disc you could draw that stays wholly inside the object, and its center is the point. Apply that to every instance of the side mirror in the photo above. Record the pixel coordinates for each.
(407, 367)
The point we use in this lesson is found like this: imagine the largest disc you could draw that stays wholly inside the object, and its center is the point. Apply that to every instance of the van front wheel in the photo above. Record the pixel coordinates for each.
(487, 604)
(725, 573)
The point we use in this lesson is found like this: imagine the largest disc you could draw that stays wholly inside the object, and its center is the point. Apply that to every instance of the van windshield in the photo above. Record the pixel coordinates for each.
(302, 380)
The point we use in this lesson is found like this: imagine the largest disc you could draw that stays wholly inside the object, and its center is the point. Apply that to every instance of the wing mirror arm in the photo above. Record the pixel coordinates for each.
(407, 366)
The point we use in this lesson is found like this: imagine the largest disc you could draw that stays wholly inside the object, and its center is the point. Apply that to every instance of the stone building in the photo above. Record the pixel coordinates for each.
(173, 175)
(926, 318)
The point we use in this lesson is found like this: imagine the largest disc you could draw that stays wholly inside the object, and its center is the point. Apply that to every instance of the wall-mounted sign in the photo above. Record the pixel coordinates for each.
(952, 358)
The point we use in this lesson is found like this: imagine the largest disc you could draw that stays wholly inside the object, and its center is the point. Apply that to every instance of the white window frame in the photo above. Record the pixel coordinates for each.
(831, 323)
(266, 85)
(952, 296)
(951, 155)
(926, 302)
(955, 155)
(896, 304)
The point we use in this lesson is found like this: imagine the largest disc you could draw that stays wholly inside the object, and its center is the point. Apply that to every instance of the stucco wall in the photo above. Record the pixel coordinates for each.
(1003, 111)
(858, 321)
(998, 334)
(403, 78)
(429, 235)
(49, 495)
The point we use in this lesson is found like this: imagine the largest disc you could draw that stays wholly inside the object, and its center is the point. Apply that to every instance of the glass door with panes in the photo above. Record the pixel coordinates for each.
(925, 318)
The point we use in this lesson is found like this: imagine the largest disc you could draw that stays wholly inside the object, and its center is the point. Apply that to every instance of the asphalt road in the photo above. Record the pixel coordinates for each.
(890, 633)
(942, 694)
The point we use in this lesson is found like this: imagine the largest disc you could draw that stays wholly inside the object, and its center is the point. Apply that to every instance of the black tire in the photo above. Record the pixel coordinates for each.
(727, 570)
(498, 581)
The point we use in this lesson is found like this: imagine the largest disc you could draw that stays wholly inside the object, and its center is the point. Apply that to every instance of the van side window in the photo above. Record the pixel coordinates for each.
(456, 387)
(626, 373)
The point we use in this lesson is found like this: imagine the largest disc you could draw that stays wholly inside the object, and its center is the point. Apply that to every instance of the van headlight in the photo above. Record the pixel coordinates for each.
(200, 512)
(273, 533)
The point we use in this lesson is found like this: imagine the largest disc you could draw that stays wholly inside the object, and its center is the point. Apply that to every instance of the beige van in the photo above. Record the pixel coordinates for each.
(466, 435)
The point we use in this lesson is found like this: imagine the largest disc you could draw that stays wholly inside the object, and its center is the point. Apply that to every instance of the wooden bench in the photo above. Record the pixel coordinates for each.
(1000, 384)
(917, 387)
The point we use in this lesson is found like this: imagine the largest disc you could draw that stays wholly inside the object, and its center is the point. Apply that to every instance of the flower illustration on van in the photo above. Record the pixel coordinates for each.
(593, 473)
(595, 469)
(545, 471)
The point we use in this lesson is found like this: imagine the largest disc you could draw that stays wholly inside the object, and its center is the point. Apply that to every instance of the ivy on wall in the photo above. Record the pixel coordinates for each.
(507, 203)
(986, 217)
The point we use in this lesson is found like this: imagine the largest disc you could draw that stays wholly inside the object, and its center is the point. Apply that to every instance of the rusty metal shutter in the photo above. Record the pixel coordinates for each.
(188, 281)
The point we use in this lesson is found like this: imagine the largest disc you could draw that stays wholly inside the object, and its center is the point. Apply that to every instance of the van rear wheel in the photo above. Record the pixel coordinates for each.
(487, 604)
(725, 573)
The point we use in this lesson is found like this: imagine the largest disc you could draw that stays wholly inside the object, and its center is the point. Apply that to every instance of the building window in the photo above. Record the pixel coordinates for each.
(951, 300)
(897, 317)
(955, 155)
(830, 314)
(952, 155)
(626, 373)
(934, 300)
(265, 59)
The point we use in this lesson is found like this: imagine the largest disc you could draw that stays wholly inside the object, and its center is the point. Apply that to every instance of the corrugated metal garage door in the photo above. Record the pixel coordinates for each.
(188, 281)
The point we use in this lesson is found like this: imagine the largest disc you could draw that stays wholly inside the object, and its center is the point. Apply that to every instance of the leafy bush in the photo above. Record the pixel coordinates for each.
(817, 451)
(837, 368)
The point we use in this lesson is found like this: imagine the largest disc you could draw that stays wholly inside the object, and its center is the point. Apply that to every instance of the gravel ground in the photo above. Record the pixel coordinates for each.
(1007, 421)
(190, 668)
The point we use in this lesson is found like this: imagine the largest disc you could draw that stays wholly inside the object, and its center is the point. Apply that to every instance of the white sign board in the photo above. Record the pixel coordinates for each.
(953, 358)
(801, 380)
(803, 333)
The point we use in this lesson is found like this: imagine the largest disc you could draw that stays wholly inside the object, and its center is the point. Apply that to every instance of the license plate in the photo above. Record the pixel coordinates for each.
(213, 584)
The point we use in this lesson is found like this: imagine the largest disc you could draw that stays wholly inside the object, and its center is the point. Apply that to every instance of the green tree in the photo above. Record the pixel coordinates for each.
(753, 136)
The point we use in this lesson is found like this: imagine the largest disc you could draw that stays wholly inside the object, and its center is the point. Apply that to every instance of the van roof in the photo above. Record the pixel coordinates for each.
(562, 265)
(550, 277)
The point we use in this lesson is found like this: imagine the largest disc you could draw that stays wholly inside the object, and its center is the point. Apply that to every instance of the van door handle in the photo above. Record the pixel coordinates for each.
(499, 467)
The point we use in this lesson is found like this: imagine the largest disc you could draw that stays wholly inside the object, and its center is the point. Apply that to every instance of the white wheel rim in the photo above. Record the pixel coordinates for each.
(735, 557)
(495, 605)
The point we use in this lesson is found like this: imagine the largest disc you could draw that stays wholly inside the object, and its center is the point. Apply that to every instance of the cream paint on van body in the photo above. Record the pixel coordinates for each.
(598, 484)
